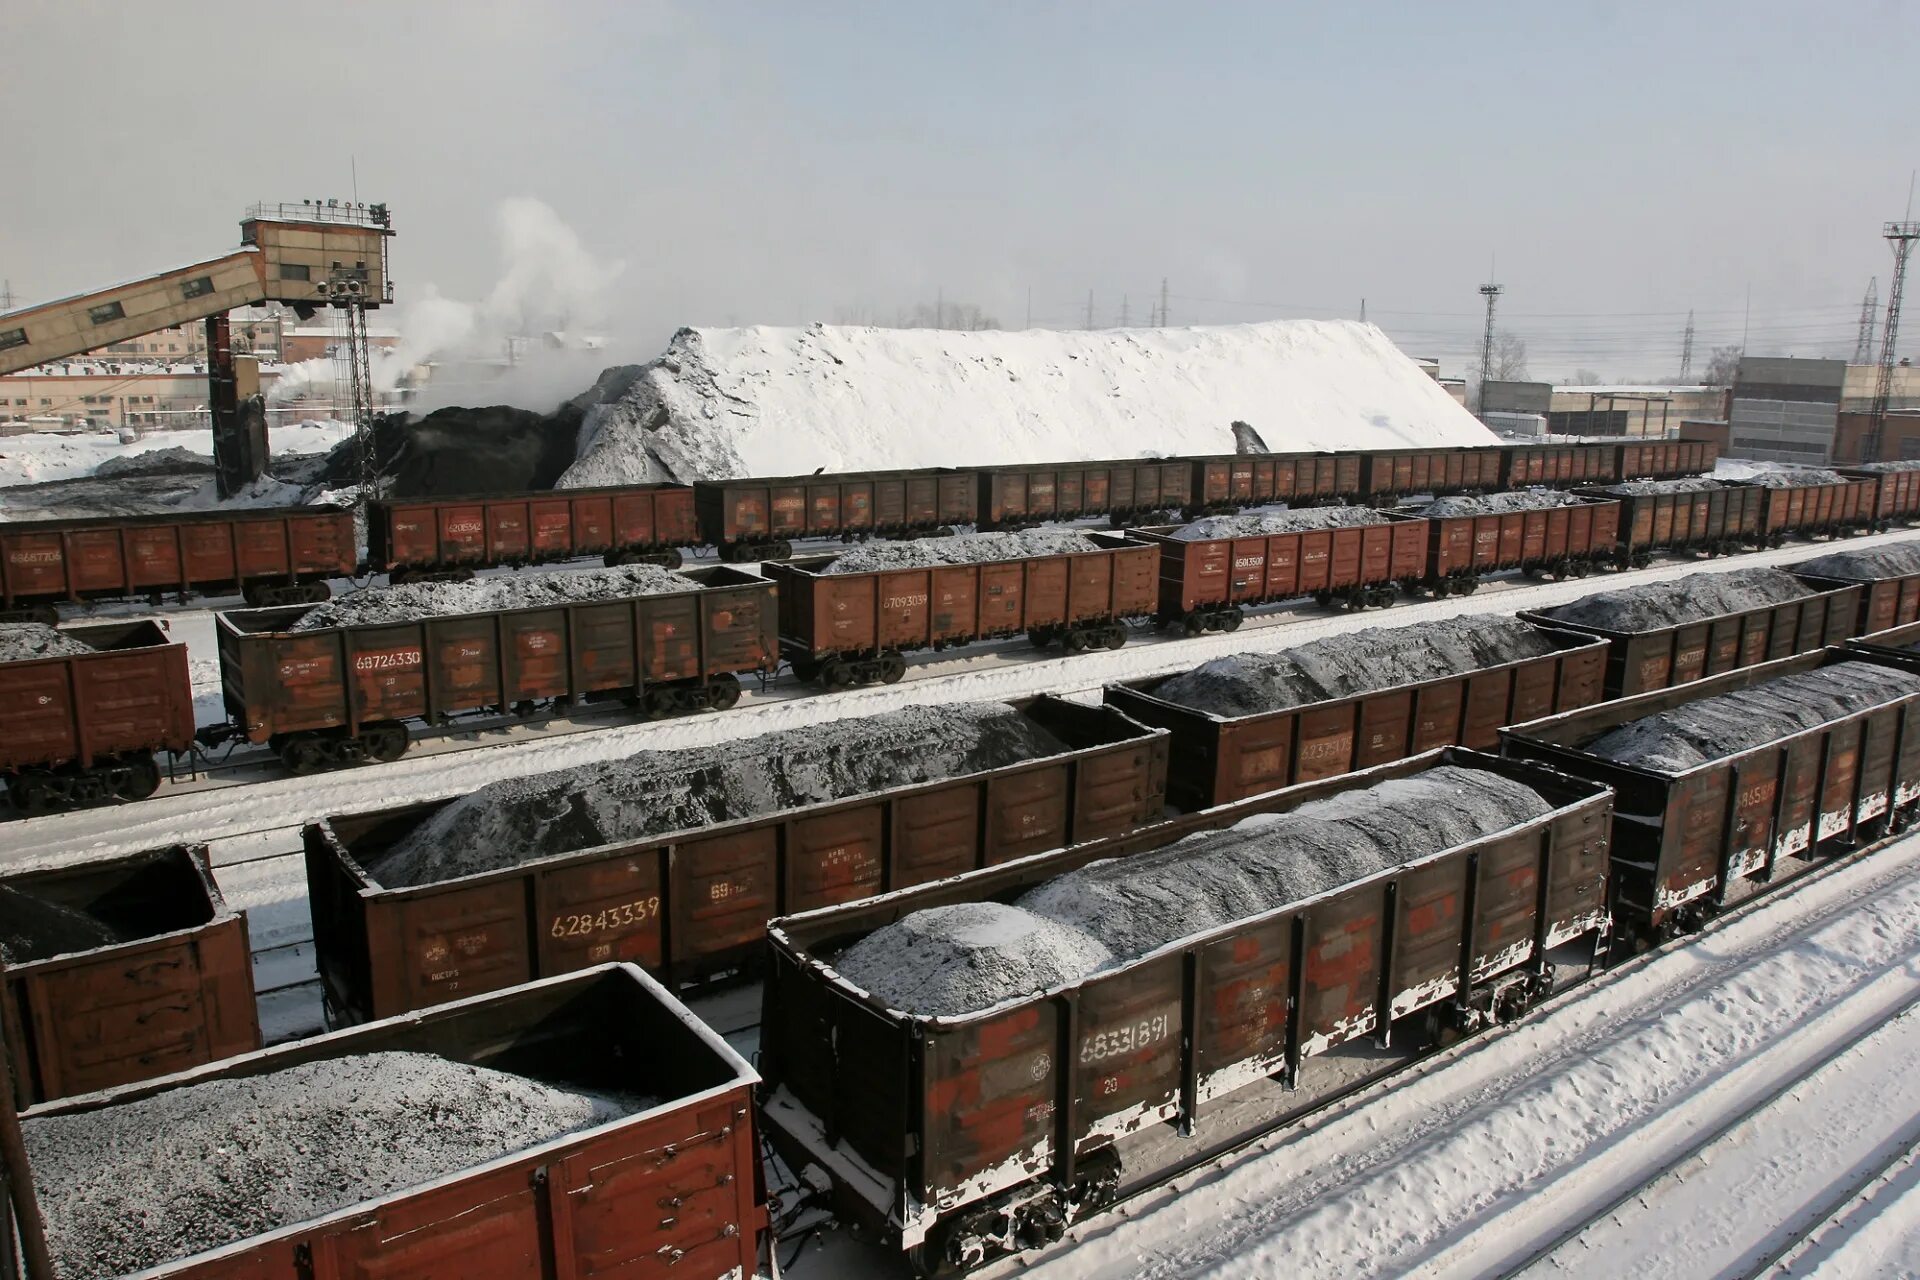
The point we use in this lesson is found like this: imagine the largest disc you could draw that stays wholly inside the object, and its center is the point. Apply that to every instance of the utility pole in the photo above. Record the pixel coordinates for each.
(1869, 312)
(940, 308)
(1124, 316)
(1491, 292)
(1363, 311)
(6, 296)
(1029, 306)
(1089, 308)
(1163, 302)
(1686, 350)
(1900, 236)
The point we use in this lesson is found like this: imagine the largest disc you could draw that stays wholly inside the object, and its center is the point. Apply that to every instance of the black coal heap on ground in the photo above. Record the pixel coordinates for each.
(498, 449)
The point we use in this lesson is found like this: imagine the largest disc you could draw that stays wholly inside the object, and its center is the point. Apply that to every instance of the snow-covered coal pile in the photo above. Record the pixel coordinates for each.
(968, 956)
(1895, 561)
(20, 641)
(461, 450)
(1639, 488)
(1498, 503)
(155, 462)
(1688, 599)
(411, 600)
(772, 402)
(965, 548)
(1256, 525)
(1341, 666)
(1908, 464)
(507, 823)
(1125, 907)
(33, 928)
(128, 1187)
(1714, 728)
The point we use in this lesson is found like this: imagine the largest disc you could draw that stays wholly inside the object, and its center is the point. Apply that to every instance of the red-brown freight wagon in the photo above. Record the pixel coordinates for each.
(1683, 840)
(759, 517)
(1717, 521)
(633, 524)
(176, 992)
(1218, 759)
(1642, 661)
(1814, 510)
(686, 905)
(1885, 603)
(1207, 584)
(334, 696)
(281, 555)
(672, 1190)
(1018, 497)
(1389, 474)
(853, 628)
(1898, 499)
(1664, 459)
(1555, 466)
(85, 729)
(955, 1138)
(1231, 481)
(1569, 541)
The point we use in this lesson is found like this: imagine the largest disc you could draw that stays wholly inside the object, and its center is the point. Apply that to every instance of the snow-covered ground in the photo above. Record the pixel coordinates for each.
(42, 456)
(768, 401)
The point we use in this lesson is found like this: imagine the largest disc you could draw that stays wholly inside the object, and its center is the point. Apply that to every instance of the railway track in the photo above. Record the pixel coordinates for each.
(1322, 1162)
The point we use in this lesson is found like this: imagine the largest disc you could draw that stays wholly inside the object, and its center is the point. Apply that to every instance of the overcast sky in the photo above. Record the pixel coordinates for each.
(784, 163)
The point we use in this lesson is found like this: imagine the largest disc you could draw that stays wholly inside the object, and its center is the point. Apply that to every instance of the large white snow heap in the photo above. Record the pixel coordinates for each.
(765, 401)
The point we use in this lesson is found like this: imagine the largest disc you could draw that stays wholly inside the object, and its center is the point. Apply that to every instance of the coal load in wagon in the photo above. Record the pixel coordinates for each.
(1494, 504)
(1647, 488)
(1254, 525)
(411, 601)
(1804, 478)
(508, 823)
(1910, 464)
(1715, 728)
(1690, 599)
(23, 641)
(965, 548)
(164, 1177)
(1344, 666)
(1113, 911)
(1896, 561)
(34, 928)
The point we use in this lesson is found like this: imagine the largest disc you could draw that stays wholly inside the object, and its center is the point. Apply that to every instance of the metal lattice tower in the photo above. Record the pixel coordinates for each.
(1686, 350)
(1899, 235)
(1491, 292)
(1869, 312)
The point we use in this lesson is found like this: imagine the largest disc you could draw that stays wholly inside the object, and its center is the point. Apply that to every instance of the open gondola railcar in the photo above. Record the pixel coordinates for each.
(278, 555)
(335, 696)
(1683, 840)
(958, 1138)
(430, 537)
(1569, 541)
(855, 628)
(759, 517)
(87, 728)
(1024, 495)
(673, 1189)
(686, 905)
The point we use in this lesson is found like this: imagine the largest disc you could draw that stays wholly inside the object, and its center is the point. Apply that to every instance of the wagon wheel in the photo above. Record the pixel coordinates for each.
(673, 559)
(1228, 622)
(1117, 636)
(892, 667)
(723, 693)
(660, 703)
(836, 675)
(386, 742)
(30, 794)
(140, 780)
(303, 755)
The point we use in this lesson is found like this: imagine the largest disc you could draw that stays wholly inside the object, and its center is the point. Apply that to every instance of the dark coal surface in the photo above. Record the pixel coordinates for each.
(411, 600)
(150, 1181)
(1714, 728)
(943, 962)
(20, 641)
(1360, 662)
(1801, 478)
(156, 462)
(1499, 503)
(966, 548)
(1895, 561)
(465, 450)
(1254, 525)
(653, 792)
(1688, 599)
(1638, 487)
(34, 928)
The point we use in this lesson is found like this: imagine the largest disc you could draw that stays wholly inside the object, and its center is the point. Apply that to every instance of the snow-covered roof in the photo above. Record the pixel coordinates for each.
(1633, 389)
